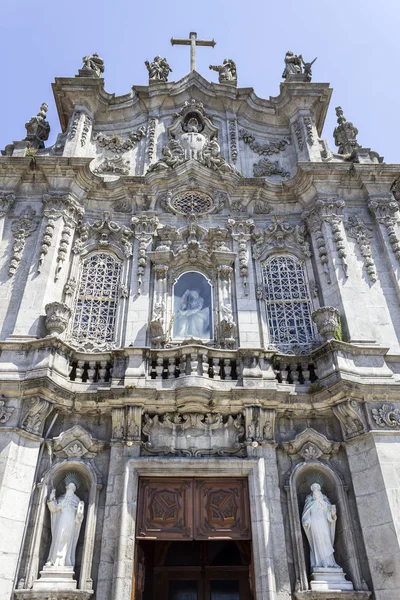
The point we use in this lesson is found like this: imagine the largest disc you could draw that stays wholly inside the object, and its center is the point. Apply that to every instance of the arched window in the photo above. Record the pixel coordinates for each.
(96, 300)
(288, 304)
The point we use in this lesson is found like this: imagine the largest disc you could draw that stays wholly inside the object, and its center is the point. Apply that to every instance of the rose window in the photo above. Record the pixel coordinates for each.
(192, 203)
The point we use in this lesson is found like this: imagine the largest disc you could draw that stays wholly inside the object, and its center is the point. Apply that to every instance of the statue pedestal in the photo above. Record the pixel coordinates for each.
(55, 578)
(329, 578)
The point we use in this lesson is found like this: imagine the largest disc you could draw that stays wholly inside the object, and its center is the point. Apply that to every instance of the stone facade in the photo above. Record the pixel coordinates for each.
(190, 260)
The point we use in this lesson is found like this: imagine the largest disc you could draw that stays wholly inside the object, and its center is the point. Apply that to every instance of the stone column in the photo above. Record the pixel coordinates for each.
(139, 300)
(248, 322)
(19, 449)
(269, 549)
(48, 271)
(118, 538)
(305, 133)
(373, 460)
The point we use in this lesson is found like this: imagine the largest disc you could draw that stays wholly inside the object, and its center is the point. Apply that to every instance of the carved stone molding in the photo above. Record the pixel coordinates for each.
(151, 132)
(113, 166)
(145, 227)
(76, 443)
(57, 316)
(265, 149)
(116, 143)
(193, 434)
(310, 445)
(331, 211)
(315, 226)
(260, 424)
(362, 234)
(103, 231)
(280, 235)
(126, 425)
(6, 201)
(350, 415)
(34, 418)
(266, 168)
(385, 211)
(22, 227)
(5, 411)
(387, 416)
(233, 140)
(241, 232)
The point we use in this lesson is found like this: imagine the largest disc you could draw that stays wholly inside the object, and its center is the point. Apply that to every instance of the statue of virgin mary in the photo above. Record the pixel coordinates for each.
(319, 522)
(191, 319)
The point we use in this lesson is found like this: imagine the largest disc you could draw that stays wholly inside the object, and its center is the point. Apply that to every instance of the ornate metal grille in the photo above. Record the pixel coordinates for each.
(192, 202)
(96, 301)
(288, 304)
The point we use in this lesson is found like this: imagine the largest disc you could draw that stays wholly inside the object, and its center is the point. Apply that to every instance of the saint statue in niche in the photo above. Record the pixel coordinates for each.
(192, 300)
(319, 522)
(66, 519)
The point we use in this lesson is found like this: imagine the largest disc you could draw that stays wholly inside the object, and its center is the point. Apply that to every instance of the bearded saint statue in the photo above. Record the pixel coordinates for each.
(66, 519)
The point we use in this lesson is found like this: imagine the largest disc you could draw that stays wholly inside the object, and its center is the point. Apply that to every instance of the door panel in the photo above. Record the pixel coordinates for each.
(199, 509)
(165, 509)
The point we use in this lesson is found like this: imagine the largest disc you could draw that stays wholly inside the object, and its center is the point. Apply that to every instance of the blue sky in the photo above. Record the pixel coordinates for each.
(356, 43)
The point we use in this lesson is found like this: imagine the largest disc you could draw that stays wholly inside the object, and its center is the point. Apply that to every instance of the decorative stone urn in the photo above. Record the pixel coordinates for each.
(57, 317)
(327, 320)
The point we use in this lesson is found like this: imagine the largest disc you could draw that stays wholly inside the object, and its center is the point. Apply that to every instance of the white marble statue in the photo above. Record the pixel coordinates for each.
(319, 522)
(191, 319)
(66, 519)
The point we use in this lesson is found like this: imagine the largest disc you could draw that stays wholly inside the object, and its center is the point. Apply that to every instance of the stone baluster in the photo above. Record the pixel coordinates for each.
(159, 367)
(91, 372)
(227, 369)
(204, 365)
(79, 370)
(102, 371)
(216, 368)
(194, 363)
(171, 367)
(182, 366)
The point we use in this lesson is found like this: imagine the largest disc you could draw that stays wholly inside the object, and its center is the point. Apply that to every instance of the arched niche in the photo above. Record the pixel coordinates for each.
(41, 535)
(192, 297)
(300, 479)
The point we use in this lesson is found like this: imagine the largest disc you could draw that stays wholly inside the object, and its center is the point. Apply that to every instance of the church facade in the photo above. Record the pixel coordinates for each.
(199, 347)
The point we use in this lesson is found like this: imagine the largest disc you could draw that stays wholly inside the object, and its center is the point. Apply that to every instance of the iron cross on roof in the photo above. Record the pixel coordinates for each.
(193, 42)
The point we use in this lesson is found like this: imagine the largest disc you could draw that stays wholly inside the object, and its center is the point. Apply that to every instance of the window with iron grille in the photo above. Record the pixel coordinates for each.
(288, 304)
(96, 300)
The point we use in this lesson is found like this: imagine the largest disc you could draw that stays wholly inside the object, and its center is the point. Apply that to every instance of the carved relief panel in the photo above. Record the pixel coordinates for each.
(187, 509)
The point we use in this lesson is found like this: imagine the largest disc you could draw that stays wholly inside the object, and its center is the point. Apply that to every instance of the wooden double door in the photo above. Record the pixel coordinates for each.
(193, 540)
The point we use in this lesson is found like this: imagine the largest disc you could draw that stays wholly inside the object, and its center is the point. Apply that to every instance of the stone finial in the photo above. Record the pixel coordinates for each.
(57, 317)
(345, 134)
(38, 129)
(93, 66)
(327, 319)
(226, 72)
(158, 70)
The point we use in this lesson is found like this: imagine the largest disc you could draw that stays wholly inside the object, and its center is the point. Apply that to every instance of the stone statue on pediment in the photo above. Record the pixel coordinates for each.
(158, 70)
(292, 64)
(226, 72)
(93, 65)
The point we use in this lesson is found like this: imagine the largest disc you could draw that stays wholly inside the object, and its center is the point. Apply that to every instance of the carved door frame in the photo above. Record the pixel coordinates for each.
(253, 468)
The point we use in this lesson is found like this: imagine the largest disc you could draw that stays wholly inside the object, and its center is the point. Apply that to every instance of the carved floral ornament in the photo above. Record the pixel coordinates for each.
(311, 446)
(5, 411)
(280, 235)
(193, 434)
(192, 202)
(22, 227)
(387, 416)
(75, 443)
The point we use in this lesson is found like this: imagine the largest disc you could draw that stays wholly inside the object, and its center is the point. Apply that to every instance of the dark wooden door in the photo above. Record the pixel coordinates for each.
(188, 508)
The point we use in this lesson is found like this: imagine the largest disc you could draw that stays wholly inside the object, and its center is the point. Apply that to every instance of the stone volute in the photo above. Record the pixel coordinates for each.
(57, 317)
(327, 320)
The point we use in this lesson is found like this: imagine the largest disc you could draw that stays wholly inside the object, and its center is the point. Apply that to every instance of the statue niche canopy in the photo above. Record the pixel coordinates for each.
(192, 307)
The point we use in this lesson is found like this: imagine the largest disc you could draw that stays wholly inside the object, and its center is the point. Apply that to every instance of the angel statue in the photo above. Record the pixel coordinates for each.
(226, 72)
(66, 519)
(319, 522)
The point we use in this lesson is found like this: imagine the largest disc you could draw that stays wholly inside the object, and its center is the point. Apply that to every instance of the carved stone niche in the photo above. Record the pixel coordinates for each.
(193, 434)
(74, 451)
(310, 453)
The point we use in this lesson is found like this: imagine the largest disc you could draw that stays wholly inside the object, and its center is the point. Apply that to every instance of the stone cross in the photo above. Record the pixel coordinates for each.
(193, 42)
